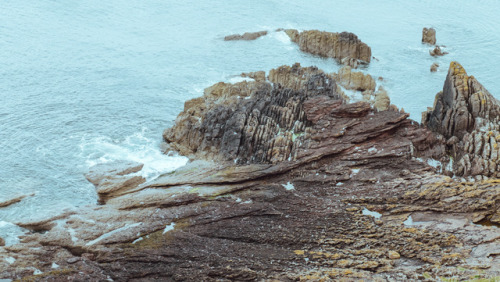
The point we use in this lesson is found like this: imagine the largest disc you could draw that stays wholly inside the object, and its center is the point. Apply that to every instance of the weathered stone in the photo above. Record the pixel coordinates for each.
(355, 80)
(429, 36)
(2, 242)
(246, 36)
(437, 52)
(434, 67)
(382, 101)
(393, 255)
(259, 76)
(329, 44)
(294, 210)
(467, 111)
(101, 171)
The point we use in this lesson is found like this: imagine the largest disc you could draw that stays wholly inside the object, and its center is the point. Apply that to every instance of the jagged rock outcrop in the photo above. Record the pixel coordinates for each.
(437, 52)
(429, 36)
(259, 76)
(468, 116)
(355, 80)
(246, 36)
(333, 45)
(304, 217)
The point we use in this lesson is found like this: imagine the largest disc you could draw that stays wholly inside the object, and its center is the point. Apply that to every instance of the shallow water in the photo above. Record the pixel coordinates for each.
(93, 81)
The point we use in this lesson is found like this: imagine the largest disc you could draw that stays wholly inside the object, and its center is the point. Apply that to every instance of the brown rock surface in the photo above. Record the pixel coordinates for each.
(245, 36)
(355, 80)
(429, 36)
(434, 67)
(13, 200)
(112, 179)
(437, 52)
(329, 44)
(304, 217)
(468, 115)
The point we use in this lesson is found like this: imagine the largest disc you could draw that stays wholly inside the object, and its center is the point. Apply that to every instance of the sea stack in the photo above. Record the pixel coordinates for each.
(467, 115)
(429, 36)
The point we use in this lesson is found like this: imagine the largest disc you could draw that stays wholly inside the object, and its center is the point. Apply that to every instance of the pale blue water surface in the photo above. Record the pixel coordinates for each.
(83, 82)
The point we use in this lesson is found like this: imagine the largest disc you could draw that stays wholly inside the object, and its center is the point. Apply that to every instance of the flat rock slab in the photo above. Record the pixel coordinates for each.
(101, 171)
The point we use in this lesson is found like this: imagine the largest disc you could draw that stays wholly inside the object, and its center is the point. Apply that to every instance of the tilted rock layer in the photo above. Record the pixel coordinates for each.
(296, 208)
(333, 45)
(468, 116)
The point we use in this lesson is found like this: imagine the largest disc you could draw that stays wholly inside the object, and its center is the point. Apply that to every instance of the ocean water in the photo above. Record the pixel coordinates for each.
(83, 82)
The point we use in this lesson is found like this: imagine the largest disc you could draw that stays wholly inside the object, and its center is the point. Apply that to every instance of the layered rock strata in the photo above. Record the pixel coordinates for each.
(333, 45)
(115, 178)
(333, 208)
(468, 116)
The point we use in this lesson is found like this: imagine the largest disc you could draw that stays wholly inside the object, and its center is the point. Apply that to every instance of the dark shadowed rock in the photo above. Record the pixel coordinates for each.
(465, 110)
(429, 36)
(246, 36)
(329, 44)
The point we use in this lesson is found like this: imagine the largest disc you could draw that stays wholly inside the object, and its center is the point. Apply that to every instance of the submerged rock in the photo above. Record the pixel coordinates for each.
(246, 36)
(466, 111)
(16, 199)
(333, 45)
(429, 36)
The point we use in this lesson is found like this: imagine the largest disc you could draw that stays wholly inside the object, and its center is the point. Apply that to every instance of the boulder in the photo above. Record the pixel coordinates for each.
(437, 52)
(2, 242)
(382, 100)
(103, 170)
(351, 62)
(434, 67)
(355, 80)
(429, 36)
(246, 36)
(329, 44)
(115, 178)
(466, 111)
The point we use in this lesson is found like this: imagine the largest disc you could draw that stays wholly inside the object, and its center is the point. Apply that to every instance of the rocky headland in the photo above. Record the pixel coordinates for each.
(291, 181)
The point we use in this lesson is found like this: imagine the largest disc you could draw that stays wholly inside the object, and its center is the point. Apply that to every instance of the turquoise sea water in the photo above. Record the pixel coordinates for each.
(83, 82)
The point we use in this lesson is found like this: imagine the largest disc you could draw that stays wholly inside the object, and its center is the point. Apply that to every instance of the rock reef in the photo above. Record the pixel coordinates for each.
(344, 46)
(245, 36)
(288, 181)
(467, 115)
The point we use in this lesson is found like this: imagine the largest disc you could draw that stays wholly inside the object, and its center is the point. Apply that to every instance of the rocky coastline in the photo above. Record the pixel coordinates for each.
(290, 180)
